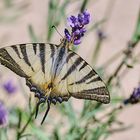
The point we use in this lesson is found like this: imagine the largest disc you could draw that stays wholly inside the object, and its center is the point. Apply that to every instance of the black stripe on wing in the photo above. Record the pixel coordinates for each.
(94, 80)
(34, 47)
(100, 90)
(84, 64)
(99, 94)
(42, 56)
(59, 60)
(86, 77)
(25, 56)
(52, 47)
(10, 63)
(73, 67)
(70, 55)
(14, 47)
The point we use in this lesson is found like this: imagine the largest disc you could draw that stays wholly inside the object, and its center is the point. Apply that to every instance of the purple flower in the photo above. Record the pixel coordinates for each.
(77, 25)
(67, 34)
(72, 20)
(84, 18)
(3, 115)
(134, 97)
(9, 87)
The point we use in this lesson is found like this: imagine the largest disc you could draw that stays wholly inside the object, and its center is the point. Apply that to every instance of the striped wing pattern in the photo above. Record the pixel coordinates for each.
(54, 73)
(27, 60)
(84, 82)
(42, 64)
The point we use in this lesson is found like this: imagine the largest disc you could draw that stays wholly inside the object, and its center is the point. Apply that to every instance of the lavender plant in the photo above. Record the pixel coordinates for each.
(77, 24)
(9, 87)
(3, 115)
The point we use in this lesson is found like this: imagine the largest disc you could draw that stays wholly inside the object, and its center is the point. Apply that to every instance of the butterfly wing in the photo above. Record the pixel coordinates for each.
(40, 64)
(58, 70)
(31, 61)
(78, 79)
(83, 82)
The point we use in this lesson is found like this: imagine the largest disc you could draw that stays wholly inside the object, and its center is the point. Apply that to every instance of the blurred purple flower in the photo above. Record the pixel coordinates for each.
(134, 97)
(9, 87)
(77, 24)
(84, 18)
(67, 34)
(72, 21)
(3, 115)
(101, 35)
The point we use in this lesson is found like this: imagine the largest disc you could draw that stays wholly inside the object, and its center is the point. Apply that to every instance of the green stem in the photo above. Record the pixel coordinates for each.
(19, 134)
(83, 6)
(129, 50)
(116, 72)
(128, 53)
(96, 51)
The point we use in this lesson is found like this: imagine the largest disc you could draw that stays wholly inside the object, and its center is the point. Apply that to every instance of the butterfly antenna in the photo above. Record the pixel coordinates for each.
(57, 31)
(49, 103)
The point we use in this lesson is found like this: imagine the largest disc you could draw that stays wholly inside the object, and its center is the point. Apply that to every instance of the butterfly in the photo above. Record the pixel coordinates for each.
(54, 73)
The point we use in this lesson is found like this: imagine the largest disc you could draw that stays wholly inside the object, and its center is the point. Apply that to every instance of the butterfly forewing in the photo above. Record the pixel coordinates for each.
(32, 61)
(84, 82)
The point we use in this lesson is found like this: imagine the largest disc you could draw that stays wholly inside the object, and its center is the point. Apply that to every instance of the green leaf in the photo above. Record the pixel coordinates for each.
(38, 133)
(136, 35)
(83, 6)
(67, 109)
(56, 133)
(8, 3)
(3, 134)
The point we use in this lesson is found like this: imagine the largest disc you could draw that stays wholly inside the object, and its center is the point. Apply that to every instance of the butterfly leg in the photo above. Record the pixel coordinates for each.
(49, 103)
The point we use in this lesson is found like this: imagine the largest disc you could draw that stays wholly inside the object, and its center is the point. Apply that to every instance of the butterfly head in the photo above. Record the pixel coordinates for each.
(77, 24)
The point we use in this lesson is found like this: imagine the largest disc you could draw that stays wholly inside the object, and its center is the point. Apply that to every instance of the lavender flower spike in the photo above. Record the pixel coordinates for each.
(77, 24)
(3, 115)
(134, 97)
(9, 87)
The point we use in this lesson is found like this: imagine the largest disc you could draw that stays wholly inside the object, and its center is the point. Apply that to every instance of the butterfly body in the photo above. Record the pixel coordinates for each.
(54, 72)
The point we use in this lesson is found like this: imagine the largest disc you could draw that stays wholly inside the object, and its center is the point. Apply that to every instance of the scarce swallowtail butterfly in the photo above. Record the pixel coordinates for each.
(54, 72)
